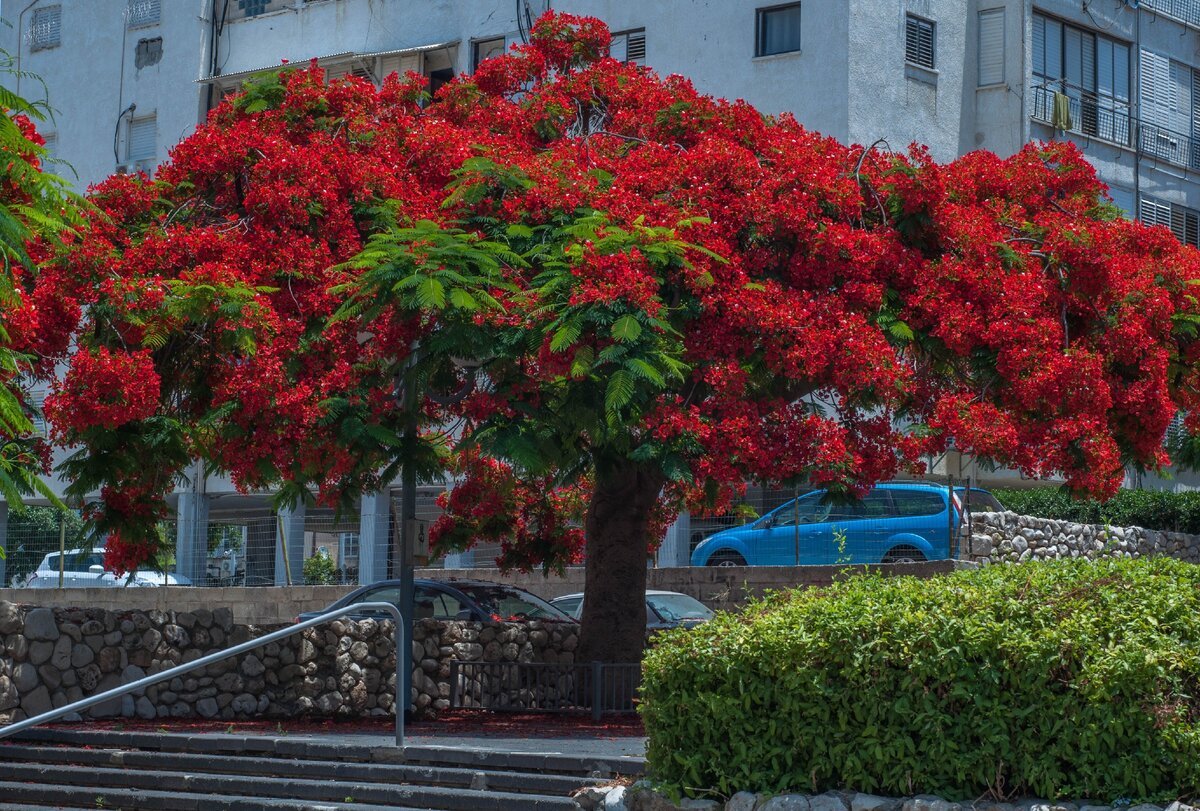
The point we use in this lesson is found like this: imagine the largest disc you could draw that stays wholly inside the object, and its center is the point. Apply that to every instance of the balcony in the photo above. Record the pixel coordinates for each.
(1095, 116)
(1187, 11)
(244, 9)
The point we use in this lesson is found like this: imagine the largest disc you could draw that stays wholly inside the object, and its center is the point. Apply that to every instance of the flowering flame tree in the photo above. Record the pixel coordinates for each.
(659, 295)
(35, 205)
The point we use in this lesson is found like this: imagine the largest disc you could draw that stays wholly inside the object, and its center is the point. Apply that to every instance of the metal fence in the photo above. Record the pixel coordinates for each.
(540, 687)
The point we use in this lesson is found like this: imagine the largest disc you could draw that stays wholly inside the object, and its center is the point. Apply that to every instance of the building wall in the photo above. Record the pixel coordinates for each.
(895, 100)
(91, 78)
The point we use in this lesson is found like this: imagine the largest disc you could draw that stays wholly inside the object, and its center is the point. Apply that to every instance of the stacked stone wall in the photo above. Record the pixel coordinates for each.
(53, 657)
(1010, 538)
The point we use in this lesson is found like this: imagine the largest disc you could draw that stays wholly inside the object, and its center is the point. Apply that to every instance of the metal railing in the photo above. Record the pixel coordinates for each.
(1169, 145)
(544, 687)
(1186, 10)
(1091, 114)
(204, 661)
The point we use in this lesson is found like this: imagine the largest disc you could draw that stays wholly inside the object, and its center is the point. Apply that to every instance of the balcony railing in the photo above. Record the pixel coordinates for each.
(1111, 121)
(1173, 147)
(1090, 114)
(1186, 10)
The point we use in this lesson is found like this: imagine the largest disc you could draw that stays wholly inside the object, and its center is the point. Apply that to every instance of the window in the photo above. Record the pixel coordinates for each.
(148, 52)
(910, 503)
(485, 49)
(141, 13)
(991, 47)
(629, 47)
(45, 29)
(1170, 99)
(143, 139)
(1080, 80)
(919, 41)
(777, 30)
(1184, 222)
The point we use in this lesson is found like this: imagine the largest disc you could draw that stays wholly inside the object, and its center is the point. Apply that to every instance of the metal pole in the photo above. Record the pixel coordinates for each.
(287, 562)
(62, 547)
(204, 661)
(407, 394)
(796, 521)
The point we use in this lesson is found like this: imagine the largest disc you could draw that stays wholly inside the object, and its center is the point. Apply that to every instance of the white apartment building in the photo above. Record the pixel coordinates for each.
(131, 78)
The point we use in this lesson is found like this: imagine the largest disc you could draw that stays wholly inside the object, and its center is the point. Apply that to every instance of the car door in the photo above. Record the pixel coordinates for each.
(795, 532)
(860, 529)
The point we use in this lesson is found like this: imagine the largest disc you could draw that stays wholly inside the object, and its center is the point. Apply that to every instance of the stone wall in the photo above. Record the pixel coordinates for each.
(52, 657)
(718, 588)
(1010, 538)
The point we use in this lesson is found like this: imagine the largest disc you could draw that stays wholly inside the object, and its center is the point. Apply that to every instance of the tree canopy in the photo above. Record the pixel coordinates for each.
(35, 205)
(659, 294)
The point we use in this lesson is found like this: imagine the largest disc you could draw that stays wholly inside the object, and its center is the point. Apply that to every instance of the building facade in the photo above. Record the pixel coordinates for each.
(1121, 78)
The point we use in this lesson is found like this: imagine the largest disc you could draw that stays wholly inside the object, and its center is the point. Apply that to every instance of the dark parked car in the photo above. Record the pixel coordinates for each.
(664, 609)
(474, 600)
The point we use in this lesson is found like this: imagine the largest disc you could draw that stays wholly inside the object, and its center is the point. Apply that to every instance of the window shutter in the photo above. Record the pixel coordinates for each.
(1155, 78)
(918, 41)
(991, 47)
(144, 12)
(635, 47)
(1153, 212)
(143, 138)
(45, 29)
(1039, 45)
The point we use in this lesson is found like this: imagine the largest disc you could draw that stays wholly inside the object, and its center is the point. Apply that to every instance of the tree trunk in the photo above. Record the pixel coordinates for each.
(614, 609)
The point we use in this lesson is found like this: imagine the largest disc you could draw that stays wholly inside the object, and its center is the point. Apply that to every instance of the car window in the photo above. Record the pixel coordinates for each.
(384, 594)
(77, 562)
(448, 607)
(678, 607)
(981, 501)
(507, 603)
(911, 503)
(807, 509)
(874, 504)
(569, 605)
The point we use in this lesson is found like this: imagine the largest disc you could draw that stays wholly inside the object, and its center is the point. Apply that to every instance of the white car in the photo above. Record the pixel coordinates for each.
(664, 609)
(84, 569)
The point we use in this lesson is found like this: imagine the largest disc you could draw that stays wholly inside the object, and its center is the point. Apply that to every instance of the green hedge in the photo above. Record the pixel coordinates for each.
(1064, 679)
(1152, 509)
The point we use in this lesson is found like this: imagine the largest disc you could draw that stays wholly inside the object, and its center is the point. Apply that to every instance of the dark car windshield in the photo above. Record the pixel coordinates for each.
(678, 607)
(504, 603)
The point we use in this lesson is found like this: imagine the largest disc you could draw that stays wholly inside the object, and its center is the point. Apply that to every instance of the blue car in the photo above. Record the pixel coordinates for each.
(893, 523)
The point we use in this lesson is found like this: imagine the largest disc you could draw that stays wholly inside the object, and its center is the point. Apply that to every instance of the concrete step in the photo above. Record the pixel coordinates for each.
(302, 748)
(559, 785)
(26, 796)
(188, 784)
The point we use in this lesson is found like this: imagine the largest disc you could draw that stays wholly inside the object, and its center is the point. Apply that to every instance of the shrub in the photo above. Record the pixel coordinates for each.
(1063, 679)
(319, 570)
(1152, 509)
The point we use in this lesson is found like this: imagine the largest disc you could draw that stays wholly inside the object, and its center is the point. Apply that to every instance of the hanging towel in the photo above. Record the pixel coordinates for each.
(1060, 118)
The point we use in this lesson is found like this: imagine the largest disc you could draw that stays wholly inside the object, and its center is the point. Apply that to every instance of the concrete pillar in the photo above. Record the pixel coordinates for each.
(374, 538)
(4, 544)
(289, 531)
(191, 537)
(676, 547)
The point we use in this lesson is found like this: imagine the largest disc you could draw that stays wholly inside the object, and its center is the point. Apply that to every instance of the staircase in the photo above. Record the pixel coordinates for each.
(76, 769)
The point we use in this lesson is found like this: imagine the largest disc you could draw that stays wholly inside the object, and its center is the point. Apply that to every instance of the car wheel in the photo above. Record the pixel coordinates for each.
(904, 554)
(726, 560)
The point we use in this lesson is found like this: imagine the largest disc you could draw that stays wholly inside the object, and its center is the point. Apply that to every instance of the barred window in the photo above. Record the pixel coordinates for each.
(45, 29)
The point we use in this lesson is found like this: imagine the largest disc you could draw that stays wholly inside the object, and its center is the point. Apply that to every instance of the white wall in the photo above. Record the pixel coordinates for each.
(91, 77)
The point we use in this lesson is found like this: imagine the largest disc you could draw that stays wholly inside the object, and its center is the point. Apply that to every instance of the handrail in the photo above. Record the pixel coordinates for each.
(203, 661)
